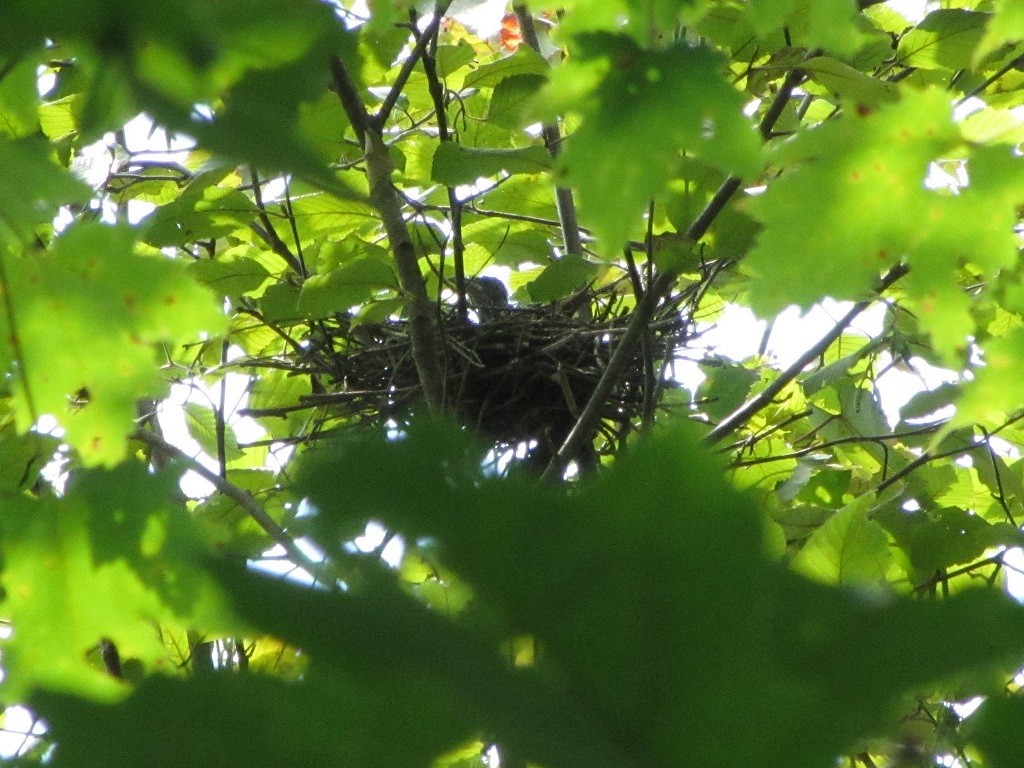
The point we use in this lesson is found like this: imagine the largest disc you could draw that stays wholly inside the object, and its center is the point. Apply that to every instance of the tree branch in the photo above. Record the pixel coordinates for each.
(564, 202)
(762, 399)
(423, 325)
(379, 119)
(243, 499)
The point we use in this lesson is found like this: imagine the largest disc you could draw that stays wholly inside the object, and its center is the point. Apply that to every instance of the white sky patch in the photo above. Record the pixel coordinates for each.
(19, 733)
(174, 424)
(912, 10)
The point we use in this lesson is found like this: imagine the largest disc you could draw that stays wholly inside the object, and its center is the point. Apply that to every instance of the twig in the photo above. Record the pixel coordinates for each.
(741, 415)
(991, 79)
(852, 439)
(268, 233)
(437, 95)
(564, 202)
(243, 499)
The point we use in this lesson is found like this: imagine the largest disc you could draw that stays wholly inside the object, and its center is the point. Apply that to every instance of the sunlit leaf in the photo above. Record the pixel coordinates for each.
(107, 561)
(944, 38)
(88, 316)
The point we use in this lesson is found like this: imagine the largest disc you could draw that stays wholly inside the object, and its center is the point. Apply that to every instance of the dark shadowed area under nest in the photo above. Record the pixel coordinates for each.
(518, 375)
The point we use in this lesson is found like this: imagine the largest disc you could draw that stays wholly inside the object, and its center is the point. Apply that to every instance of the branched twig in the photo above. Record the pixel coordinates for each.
(267, 232)
(742, 415)
(243, 499)
(437, 95)
(409, 65)
(852, 439)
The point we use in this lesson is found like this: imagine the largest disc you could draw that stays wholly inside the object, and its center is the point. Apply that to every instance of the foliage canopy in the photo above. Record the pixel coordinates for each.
(394, 269)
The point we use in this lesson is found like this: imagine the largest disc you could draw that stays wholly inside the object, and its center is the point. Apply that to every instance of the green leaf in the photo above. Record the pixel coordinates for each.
(945, 38)
(561, 278)
(1005, 26)
(936, 540)
(621, 157)
(320, 213)
(832, 27)
(323, 722)
(510, 97)
(57, 117)
(108, 560)
(839, 217)
(525, 61)
(202, 426)
(993, 392)
(989, 727)
(88, 314)
(34, 187)
(19, 100)
(850, 83)
(849, 548)
(258, 126)
(340, 290)
(725, 388)
(231, 273)
(455, 164)
(653, 656)
(768, 15)
(204, 211)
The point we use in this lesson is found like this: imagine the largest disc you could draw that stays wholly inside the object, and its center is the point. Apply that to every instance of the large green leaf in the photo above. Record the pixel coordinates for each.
(323, 722)
(944, 38)
(849, 548)
(1005, 26)
(838, 218)
(111, 559)
(86, 316)
(33, 189)
(655, 644)
(455, 164)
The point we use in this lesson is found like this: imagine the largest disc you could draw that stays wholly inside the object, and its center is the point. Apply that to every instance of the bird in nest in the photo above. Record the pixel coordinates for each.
(488, 297)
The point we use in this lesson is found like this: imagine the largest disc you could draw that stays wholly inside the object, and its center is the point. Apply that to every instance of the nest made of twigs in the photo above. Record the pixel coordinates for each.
(519, 374)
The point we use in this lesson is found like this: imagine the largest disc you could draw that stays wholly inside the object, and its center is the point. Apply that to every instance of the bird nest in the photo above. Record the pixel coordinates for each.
(519, 375)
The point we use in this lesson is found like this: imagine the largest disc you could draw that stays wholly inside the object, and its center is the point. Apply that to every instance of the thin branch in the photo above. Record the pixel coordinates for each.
(379, 119)
(437, 95)
(991, 79)
(243, 499)
(923, 459)
(267, 233)
(762, 399)
(353, 106)
(564, 202)
(996, 560)
(852, 439)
